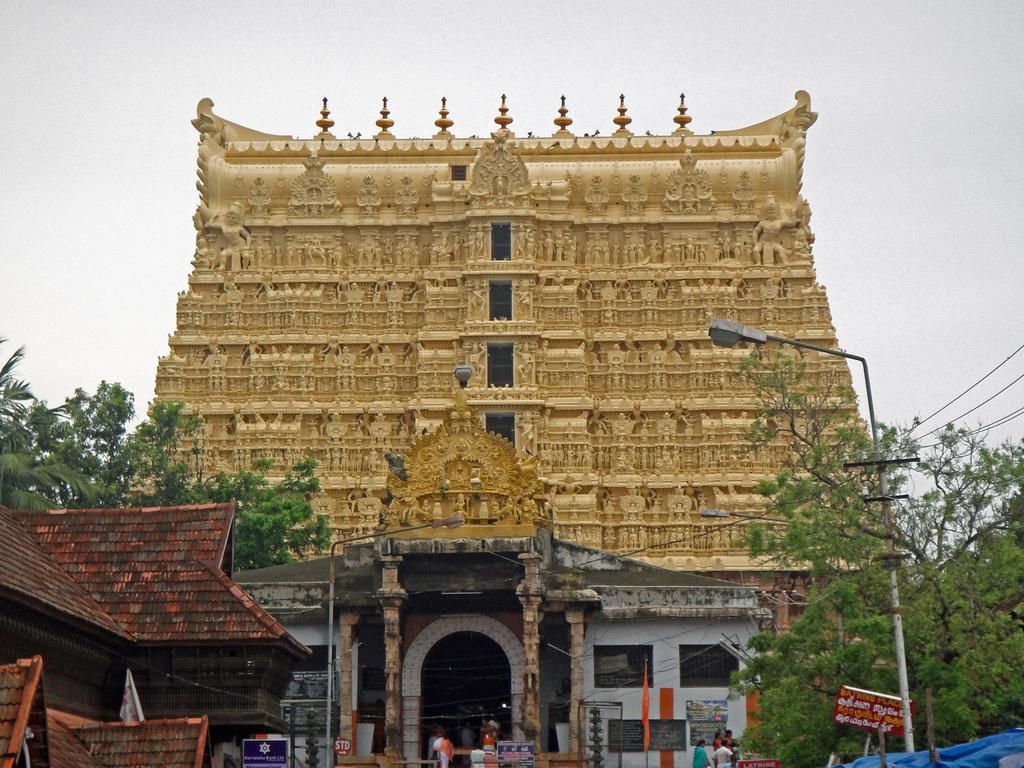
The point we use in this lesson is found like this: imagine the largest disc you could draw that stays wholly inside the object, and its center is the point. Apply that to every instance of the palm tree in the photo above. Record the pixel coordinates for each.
(25, 481)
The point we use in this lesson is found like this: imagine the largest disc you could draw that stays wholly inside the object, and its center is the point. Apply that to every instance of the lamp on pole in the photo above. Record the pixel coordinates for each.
(729, 333)
(448, 522)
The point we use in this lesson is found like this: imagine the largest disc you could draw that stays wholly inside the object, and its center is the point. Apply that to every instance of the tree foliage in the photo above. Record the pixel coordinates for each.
(84, 453)
(962, 580)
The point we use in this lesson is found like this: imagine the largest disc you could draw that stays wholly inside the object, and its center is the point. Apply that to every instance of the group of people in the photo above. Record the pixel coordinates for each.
(444, 751)
(724, 752)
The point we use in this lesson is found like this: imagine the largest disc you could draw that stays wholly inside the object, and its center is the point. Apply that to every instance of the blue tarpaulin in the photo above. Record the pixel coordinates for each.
(983, 753)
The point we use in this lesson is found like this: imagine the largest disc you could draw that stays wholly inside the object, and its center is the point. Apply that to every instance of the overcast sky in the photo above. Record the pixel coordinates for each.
(914, 169)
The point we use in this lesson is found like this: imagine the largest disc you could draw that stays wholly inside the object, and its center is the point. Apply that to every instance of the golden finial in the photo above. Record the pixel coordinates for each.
(563, 122)
(325, 123)
(384, 123)
(682, 120)
(443, 123)
(503, 120)
(622, 121)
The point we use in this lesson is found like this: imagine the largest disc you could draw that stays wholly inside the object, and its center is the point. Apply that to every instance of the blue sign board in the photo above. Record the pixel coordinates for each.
(516, 753)
(264, 753)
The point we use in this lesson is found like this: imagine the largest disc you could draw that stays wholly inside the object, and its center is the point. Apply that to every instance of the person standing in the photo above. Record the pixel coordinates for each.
(722, 756)
(700, 755)
(442, 747)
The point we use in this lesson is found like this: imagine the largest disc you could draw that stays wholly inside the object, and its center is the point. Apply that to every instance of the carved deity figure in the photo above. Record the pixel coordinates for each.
(499, 176)
(688, 189)
(769, 232)
(634, 195)
(259, 197)
(234, 238)
(406, 197)
(596, 195)
(368, 196)
(744, 194)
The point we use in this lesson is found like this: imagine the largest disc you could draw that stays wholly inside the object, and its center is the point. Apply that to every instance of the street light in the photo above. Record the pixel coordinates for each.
(447, 522)
(729, 333)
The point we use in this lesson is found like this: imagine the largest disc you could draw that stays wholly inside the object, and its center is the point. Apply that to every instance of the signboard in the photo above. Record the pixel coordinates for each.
(628, 735)
(342, 746)
(760, 763)
(264, 753)
(518, 752)
(704, 731)
(869, 710)
(708, 711)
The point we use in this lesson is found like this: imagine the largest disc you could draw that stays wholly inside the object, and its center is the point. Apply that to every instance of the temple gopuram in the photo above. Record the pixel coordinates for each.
(338, 281)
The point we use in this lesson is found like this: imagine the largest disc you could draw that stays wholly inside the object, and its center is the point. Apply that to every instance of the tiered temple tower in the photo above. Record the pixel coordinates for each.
(337, 283)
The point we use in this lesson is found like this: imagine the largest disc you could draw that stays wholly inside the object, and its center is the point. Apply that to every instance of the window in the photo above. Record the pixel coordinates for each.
(705, 665)
(458, 173)
(501, 299)
(499, 365)
(621, 666)
(501, 241)
(503, 424)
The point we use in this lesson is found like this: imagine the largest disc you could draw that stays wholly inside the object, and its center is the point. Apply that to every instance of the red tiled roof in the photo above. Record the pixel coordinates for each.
(173, 743)
(65, 750)
(19, 685)
(156, 571)
(26, 569)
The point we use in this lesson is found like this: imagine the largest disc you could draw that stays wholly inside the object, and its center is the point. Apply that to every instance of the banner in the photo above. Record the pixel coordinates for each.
(645, 711)
(869, 710)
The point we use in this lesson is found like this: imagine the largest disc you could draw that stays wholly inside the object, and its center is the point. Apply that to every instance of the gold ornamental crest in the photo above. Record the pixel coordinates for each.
(460, 468)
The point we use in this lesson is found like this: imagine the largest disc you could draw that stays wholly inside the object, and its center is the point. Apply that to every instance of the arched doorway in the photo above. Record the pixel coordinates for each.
(466, 678)
(412, 668)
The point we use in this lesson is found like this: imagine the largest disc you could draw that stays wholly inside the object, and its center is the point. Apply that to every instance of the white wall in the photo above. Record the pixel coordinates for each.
(666, 635)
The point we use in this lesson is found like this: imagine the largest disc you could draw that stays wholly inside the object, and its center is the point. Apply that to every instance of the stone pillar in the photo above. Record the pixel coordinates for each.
(392, 597)
(531, 594)
(575, 618)
(347, 621)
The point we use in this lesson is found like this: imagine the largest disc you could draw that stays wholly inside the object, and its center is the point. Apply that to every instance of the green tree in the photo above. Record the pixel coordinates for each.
(92, 437)
(962, 572)
(163, 474)
(27, 481)
(274, 524)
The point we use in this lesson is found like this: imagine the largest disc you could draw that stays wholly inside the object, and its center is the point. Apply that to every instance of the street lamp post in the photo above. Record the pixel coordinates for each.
(448, 522)
(729, 333)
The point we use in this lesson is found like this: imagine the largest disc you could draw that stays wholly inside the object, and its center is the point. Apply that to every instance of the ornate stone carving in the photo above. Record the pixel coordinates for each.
(499, 177)
(406, 197)
(462, 468)
(313, 193)
(634, 196)
(744, 194)
(769, 232)
(597, 195)
(368, 197)
(259, 197)
(688, 189)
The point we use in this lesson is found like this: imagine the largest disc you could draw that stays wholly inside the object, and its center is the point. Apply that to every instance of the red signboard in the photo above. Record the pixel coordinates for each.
(342, 746)
(869, 710)
(760, 763)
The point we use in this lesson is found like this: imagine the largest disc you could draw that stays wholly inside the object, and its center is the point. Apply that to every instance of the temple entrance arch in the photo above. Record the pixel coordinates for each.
(416, 655)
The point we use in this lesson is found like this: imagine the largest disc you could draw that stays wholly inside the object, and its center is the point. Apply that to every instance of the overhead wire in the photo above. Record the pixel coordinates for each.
(984, 427)
(934, 413)
(979, 405)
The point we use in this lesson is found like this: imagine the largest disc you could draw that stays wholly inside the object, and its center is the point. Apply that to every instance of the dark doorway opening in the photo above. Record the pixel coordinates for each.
(466, 680)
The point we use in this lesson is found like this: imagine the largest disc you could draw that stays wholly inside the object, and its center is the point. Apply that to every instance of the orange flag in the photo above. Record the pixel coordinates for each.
(645, 711)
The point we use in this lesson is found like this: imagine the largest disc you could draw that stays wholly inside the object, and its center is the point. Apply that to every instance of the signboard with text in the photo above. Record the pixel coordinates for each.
(516, 752)
(264, 753)
(761, 762)
(869, 710)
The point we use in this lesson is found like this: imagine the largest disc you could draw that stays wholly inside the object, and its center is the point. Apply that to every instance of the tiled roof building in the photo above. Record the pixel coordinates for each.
(100, 591)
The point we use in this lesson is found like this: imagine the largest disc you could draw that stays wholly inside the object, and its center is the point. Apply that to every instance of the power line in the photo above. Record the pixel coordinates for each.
(944, 407)
(983, 402)
(991, 425)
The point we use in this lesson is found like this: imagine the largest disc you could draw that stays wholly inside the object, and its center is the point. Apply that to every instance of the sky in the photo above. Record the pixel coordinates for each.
(913, 170)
